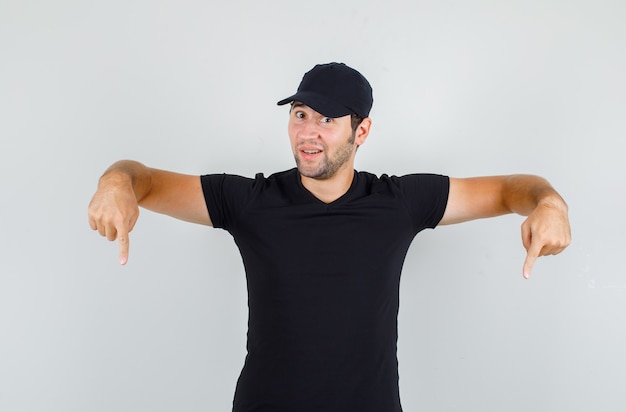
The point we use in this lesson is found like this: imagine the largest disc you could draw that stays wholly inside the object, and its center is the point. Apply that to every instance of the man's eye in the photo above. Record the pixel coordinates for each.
(327, 120)
(300, 115)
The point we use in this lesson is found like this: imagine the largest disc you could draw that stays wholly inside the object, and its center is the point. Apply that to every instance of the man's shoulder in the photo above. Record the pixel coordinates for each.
(395, 179)
(278, 176)
(260, 177)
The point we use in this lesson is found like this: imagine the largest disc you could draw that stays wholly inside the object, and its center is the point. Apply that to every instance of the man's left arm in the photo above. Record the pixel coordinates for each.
(546, 230)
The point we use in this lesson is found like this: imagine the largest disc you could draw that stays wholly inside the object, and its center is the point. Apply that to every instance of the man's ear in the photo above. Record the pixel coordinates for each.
(362, 131)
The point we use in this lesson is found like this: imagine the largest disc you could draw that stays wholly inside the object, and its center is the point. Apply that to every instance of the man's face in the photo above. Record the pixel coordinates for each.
(321, 145)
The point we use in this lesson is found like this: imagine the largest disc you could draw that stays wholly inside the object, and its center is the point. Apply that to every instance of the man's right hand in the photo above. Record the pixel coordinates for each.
(113, 211)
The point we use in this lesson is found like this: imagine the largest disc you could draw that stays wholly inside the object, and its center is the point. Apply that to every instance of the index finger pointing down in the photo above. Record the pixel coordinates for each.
(123, 248)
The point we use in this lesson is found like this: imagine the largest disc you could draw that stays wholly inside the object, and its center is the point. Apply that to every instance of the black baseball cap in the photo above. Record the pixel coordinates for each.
(334, 90)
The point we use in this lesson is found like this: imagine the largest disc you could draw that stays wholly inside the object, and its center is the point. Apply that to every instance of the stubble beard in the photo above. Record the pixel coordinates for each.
(328, 167)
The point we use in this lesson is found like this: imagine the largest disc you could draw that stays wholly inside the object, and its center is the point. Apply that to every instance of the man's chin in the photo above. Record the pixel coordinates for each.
(313, 173)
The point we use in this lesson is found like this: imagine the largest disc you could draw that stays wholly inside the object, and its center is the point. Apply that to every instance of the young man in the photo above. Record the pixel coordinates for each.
(323, 246)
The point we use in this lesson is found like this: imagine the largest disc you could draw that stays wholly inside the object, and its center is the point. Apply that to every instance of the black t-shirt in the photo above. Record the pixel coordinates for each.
(323, 284)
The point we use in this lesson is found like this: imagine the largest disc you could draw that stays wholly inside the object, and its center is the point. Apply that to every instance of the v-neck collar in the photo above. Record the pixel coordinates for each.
(315, 199)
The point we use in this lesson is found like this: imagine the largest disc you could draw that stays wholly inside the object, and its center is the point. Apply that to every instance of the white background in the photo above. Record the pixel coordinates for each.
(461, 88)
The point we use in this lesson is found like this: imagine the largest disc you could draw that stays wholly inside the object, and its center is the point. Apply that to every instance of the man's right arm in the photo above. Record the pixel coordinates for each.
(126, 185)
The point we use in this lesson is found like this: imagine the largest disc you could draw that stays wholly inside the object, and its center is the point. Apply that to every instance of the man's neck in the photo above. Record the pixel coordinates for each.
(330, 189)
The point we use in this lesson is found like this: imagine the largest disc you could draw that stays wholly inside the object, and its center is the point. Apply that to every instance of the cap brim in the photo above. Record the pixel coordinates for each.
(318, 103)
(287, 100)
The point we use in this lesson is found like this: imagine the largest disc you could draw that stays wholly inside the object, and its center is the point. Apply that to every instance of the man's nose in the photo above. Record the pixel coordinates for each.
(310, 129)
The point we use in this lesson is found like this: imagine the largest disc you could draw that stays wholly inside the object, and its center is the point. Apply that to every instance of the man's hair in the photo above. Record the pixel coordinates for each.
(356, 121)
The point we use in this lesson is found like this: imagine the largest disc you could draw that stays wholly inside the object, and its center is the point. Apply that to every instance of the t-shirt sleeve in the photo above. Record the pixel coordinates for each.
(426, 196)
(226, 196)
